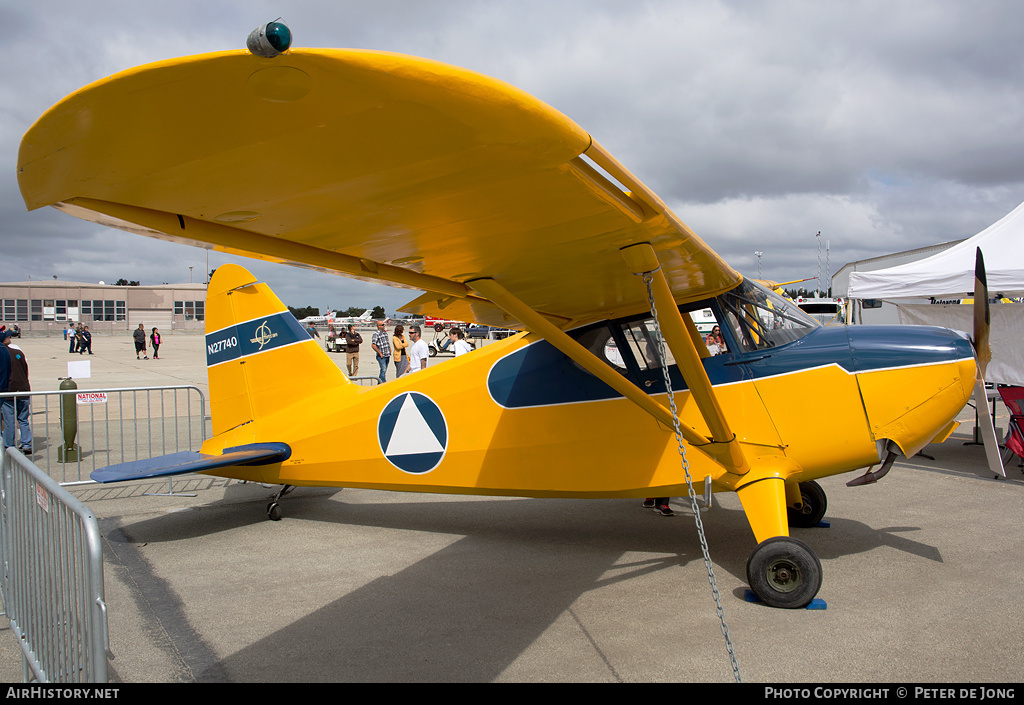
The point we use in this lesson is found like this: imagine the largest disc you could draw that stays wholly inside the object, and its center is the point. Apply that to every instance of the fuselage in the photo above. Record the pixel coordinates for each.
(518, 417)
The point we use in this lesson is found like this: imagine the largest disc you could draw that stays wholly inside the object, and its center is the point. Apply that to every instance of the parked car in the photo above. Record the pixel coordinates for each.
(489, 332)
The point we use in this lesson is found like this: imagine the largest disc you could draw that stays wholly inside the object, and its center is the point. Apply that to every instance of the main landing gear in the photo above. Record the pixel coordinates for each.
(783, 571)
(813, 508)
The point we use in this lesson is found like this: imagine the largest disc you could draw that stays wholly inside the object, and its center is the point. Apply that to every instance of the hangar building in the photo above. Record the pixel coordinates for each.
(40, 307)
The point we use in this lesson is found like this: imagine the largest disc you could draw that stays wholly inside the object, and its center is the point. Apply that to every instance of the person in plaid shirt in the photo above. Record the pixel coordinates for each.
(382, 347)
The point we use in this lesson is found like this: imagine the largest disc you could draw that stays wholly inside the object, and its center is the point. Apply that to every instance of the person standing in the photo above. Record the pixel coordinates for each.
(418, 351)
(5, 378)
(17, 406)
(382, 348)
(154, 338)
(139, 335)
(352, 341)
(458, 340)
(85, 340)
(659, 505)
(71, 338)
(400, 345)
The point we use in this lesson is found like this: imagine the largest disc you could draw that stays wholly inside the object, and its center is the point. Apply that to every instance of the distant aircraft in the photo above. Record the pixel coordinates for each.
(444, 323)
(504, 212)
(332, 320)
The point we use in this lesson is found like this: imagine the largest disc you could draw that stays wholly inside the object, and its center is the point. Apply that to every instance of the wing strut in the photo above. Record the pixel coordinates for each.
(498, 294)
(642, 259)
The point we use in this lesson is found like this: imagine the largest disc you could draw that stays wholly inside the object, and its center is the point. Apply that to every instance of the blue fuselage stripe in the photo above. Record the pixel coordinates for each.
(252, 337)
(541, 375)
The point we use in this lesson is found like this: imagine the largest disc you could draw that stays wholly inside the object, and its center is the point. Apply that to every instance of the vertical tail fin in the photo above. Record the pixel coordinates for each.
(258, 357)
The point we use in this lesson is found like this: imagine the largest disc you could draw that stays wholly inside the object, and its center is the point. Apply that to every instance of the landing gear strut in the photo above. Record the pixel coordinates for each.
(274, 509)
(784, 572)
(813, 507)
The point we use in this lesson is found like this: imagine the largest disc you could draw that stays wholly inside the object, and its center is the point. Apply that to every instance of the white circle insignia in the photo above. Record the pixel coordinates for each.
(412, 433)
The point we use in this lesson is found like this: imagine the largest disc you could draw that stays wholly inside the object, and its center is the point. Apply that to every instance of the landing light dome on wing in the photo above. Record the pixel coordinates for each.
(270, 39)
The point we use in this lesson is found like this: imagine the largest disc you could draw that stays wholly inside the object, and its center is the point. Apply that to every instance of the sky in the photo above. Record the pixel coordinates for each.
(882, 126)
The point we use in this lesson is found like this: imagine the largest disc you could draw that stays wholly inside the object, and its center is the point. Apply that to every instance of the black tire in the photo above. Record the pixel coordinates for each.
(784, 572)
(439, 327)
(815, 502)
(274, 511)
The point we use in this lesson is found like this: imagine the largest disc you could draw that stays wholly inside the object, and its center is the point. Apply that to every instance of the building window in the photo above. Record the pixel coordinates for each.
(15, 309)
(191, 310)
(37, 309)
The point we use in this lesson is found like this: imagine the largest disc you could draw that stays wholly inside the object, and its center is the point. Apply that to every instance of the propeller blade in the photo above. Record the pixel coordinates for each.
(982, 316)
(982, 324)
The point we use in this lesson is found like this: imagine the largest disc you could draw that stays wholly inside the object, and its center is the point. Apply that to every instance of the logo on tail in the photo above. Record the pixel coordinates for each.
(263, 335)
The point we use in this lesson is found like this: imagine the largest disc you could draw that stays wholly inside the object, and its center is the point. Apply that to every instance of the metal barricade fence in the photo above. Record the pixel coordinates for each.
(52, 580)
(110, 426)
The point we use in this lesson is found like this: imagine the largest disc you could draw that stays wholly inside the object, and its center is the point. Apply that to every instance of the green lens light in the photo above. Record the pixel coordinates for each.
(279, 36)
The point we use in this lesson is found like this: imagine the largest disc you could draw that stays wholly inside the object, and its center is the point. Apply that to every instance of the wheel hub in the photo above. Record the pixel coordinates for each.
(783, 576)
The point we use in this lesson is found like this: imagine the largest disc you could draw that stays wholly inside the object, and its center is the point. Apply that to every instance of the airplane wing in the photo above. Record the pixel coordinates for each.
(193, 461)
(371, 164)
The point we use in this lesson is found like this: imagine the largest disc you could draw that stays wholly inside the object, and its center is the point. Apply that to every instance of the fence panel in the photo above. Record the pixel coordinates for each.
(52, 580)
(109, 426)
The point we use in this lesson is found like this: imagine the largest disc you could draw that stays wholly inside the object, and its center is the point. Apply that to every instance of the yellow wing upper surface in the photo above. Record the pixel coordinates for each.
(372, 164)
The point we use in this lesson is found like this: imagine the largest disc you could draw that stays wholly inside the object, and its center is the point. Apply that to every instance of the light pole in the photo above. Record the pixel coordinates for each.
(758, 263)
(818, 293)
(190, 274)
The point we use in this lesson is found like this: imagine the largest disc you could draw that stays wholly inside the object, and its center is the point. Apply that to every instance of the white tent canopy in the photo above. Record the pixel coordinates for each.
(951, 272)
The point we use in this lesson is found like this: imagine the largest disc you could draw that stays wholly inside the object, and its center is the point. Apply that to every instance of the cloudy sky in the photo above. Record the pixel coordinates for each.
(884, 126)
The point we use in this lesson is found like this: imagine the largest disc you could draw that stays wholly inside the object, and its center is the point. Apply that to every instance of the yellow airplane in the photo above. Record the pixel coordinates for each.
(780, 287)
(503, 211)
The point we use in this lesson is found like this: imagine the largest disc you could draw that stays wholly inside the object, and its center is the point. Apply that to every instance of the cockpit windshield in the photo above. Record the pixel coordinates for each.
(762, 319)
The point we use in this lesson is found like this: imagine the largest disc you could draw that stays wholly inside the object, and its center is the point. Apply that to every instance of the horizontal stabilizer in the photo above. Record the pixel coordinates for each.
(193, 461)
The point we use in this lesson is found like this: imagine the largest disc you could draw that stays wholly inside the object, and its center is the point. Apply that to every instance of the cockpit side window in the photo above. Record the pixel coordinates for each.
(643, 343)
(626, 346)
(600, 341)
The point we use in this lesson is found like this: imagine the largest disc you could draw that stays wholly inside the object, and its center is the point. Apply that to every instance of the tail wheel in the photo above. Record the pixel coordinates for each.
(814, 504)
(784, 572)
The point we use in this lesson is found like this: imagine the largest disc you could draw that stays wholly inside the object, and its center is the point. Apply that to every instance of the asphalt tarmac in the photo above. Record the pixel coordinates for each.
(922, 576)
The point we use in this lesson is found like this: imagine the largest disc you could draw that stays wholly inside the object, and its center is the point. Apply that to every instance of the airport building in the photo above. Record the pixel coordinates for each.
(40, 307)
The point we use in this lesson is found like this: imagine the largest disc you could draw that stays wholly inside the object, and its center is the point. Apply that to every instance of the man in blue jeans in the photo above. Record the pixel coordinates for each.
(17, 406)
(7, 405)
(382, 347)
